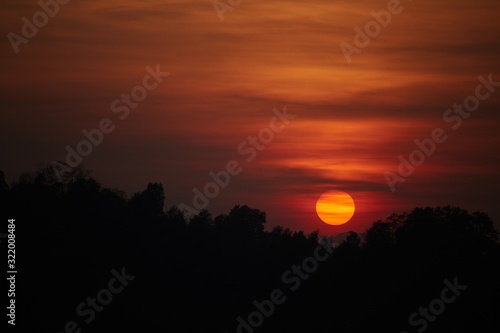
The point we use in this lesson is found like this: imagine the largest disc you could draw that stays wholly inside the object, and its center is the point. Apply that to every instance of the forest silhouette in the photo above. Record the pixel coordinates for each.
(201, 273)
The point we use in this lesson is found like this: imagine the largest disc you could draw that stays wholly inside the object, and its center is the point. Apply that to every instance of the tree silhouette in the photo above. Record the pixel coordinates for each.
(148, 204)
(201, 274)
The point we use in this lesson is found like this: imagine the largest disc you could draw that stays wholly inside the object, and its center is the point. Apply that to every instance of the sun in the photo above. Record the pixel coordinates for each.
(335, 207)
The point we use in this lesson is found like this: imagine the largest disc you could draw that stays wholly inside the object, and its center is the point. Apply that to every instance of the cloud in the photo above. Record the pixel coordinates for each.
(226, 77)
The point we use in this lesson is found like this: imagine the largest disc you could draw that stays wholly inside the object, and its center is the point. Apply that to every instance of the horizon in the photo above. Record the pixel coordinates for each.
(338, 237)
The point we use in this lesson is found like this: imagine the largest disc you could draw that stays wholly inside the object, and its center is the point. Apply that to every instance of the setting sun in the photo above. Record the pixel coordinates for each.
(335, 207)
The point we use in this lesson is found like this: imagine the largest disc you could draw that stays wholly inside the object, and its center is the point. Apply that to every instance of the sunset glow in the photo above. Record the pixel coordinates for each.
(353, 120)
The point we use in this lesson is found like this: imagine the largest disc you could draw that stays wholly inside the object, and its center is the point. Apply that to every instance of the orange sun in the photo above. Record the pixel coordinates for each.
(335, 207)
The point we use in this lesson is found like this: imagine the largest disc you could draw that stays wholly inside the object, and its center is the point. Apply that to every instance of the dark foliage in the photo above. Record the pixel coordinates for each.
(200, 273)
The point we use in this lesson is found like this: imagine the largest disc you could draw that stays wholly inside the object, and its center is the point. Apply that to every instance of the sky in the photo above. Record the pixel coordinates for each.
(351, 114)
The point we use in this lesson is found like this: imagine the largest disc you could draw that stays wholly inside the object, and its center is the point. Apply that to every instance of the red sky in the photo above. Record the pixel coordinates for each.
(353, 119)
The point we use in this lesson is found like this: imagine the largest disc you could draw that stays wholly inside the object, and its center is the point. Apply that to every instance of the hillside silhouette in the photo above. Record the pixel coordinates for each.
(202, 273)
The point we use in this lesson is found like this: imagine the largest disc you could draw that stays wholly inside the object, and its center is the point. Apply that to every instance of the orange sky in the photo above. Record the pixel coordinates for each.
(353, 120)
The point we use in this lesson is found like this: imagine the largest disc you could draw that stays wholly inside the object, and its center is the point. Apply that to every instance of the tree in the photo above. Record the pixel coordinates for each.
(380, 237)
(201, 223)
(243, 219)
(149, 203)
